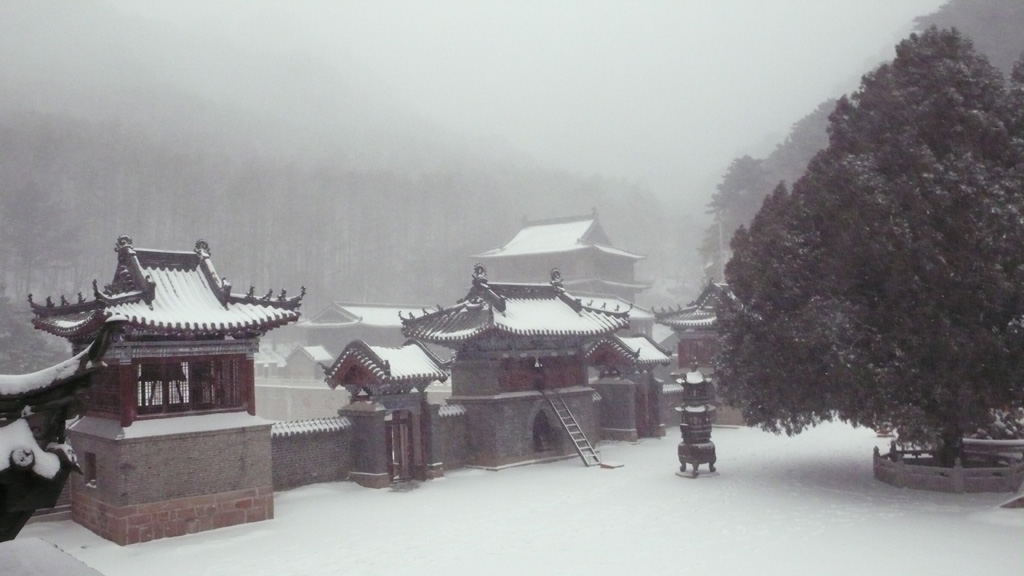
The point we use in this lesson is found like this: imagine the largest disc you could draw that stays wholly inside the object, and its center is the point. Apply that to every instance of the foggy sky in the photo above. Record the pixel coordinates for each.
(665, 93)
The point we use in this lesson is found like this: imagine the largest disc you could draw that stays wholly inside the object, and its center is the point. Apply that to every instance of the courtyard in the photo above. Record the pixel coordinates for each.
(780, 505)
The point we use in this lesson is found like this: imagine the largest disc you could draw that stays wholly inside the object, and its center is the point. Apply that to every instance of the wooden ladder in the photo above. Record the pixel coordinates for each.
(572, 427)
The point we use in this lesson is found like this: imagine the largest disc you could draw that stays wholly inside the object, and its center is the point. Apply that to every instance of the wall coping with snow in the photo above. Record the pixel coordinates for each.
(311, 426)
(449, 410)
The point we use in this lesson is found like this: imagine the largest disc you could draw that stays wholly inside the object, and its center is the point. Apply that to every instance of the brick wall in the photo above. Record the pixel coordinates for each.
(150, 469)
(501, 428)
(451, 437)
(176, 517)
(316, 454)
(149, 487)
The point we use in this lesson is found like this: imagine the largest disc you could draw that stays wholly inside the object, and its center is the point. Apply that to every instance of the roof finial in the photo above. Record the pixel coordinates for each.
(556, 278)
(479, 273)
(202, 248)
(123, 241)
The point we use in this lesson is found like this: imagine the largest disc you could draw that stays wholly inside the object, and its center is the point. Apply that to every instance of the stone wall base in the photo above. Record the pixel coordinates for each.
(136, 523)
(619, 435)
(369, 480)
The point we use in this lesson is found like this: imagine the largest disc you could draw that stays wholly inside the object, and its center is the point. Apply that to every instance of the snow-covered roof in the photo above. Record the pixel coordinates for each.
(515, 309)
(170, 293)
(558, 235)
(349, 314)
(385, 369)
(315, 353)
(638, 352)
(648, 352)
(698, 315)
(267, 357)
(21, 392)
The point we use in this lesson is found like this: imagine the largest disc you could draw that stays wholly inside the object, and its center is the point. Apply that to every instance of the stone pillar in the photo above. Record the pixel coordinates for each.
(369, 457)
(433, 443)
(618, 408)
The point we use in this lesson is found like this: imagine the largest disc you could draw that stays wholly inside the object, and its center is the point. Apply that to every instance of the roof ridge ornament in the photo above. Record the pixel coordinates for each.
(202, 248)
(556, 278)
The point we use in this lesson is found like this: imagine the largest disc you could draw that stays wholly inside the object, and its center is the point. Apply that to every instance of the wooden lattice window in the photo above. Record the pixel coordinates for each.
(189, 385)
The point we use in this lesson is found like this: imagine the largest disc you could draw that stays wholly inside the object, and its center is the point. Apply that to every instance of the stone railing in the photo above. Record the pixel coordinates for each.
(923, 474)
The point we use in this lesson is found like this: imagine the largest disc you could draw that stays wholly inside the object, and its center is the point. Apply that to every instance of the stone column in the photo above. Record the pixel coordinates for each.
(434, 437)
(369, 448)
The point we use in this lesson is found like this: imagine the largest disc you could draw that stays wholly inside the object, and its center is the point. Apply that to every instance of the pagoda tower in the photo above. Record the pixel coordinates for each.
(170, 443)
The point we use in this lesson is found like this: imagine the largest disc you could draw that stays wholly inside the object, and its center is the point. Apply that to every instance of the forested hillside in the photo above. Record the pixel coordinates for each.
(295, 175)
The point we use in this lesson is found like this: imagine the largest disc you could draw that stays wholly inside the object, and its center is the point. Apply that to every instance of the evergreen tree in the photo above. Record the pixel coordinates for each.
(887, 286)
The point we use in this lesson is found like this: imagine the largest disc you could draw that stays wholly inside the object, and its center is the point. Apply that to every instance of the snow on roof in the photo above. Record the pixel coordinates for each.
(410, 363)
(700, 314)
(383, 315)
(557, 236)
(311, 426)
(17, 437)
(267, 357)
(648, 351)
(349, 314)
(518, 309)
(184, 299)
(168, 291)
(315, 353)
(11, 384)
(616, 303)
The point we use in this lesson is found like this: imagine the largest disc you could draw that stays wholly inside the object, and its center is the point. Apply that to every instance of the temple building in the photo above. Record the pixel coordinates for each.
(696, 327)
(170, 443)
(633, 402)
(388, 411)
(578, 247)
(520, 371)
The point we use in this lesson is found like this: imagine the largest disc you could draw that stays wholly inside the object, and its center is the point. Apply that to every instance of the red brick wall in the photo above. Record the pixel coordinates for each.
(144, 522)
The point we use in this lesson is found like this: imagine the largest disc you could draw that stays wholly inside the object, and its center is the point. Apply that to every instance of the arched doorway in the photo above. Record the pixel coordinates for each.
(544, 438)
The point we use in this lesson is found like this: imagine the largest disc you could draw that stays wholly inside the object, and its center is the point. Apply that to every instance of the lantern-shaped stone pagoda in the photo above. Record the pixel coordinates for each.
(696, 415)
(170, 442)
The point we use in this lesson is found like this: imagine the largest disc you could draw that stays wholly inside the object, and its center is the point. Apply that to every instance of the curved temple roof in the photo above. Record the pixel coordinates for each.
(515, 309)
(558, 235)
(165, 292)
(385, 369)
(639, 352)
(698, 315)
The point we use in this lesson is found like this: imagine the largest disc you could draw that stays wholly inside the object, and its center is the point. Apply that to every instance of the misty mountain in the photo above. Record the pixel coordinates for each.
(297, 171)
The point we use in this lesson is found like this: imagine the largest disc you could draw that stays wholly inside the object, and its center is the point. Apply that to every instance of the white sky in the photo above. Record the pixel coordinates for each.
(665, 93)
(806, 505)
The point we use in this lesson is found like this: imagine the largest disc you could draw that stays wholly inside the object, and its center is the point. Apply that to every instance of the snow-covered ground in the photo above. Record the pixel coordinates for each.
(801, 505)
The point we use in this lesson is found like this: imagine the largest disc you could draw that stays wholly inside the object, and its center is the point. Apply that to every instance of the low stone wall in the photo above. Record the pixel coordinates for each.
(310, 451)
(893, 470)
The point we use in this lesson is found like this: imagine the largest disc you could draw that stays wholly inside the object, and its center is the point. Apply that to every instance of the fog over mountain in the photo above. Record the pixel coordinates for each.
(366, 149)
